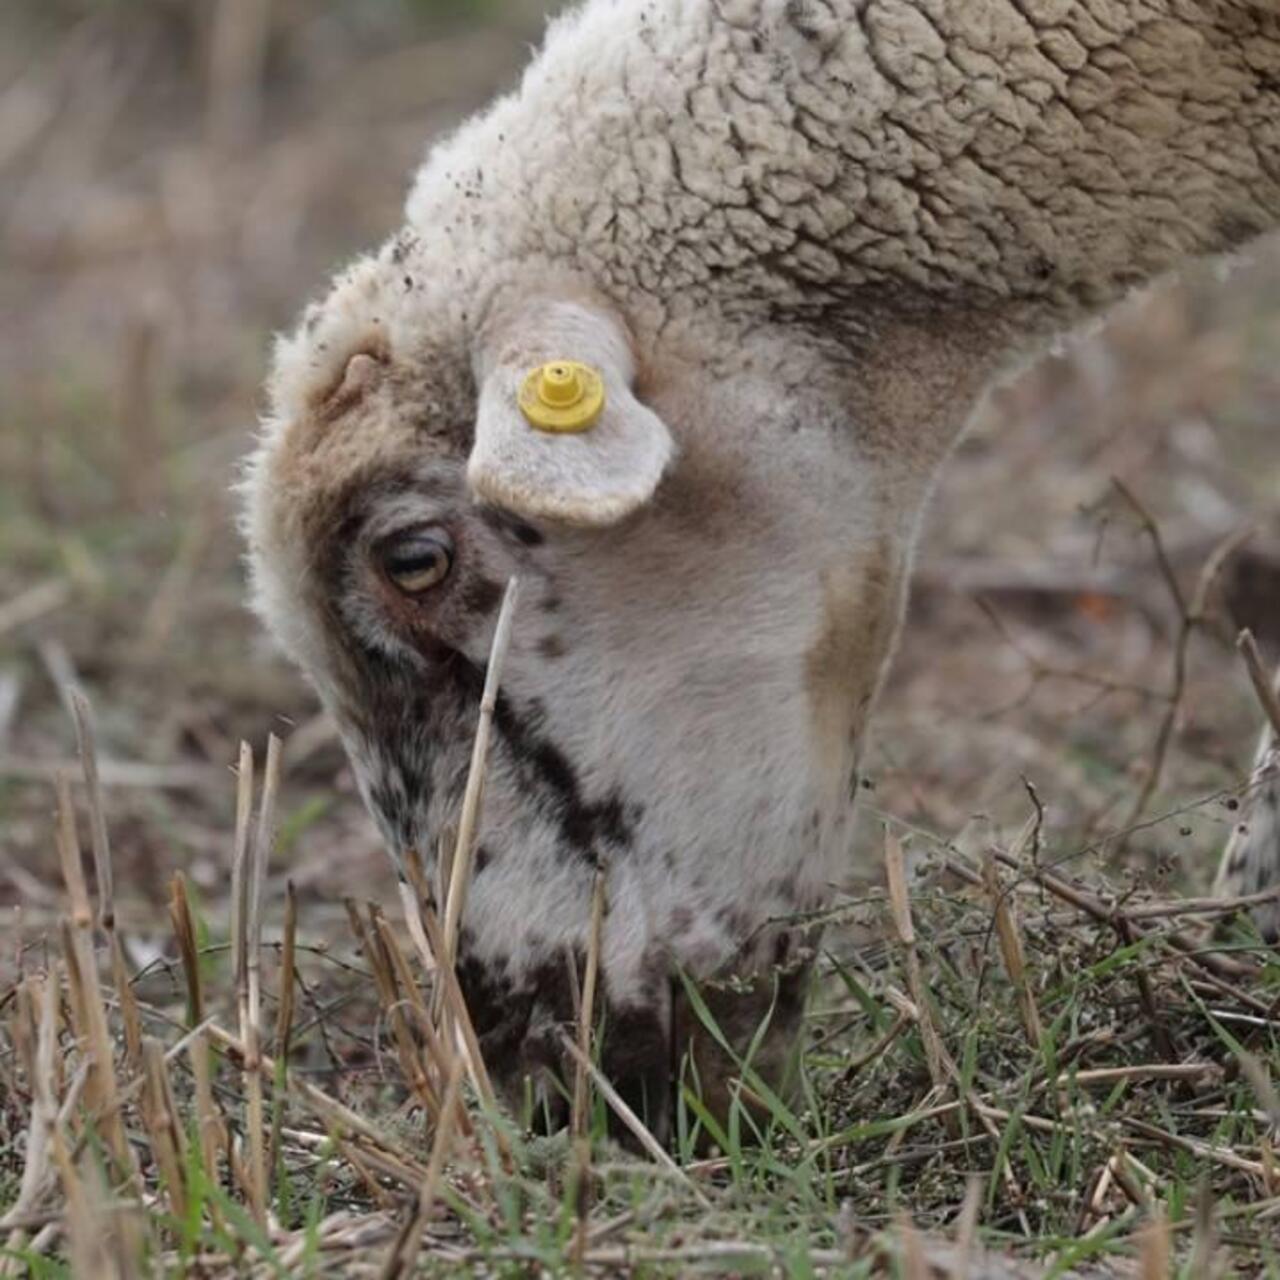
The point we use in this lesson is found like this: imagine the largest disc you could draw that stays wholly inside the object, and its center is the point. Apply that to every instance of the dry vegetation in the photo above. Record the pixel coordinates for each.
(1026, 1043)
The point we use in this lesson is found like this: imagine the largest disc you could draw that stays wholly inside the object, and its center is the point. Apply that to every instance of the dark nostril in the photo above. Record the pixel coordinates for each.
(527, 534)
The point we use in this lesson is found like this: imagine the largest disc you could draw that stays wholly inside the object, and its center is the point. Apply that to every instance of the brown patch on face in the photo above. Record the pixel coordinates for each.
(365, 413)
(861, 605)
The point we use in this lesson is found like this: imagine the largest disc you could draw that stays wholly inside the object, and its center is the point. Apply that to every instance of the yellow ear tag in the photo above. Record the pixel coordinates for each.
(562, 395)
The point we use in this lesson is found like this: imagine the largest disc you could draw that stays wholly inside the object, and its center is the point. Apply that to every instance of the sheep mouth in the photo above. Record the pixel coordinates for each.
(708, 1037)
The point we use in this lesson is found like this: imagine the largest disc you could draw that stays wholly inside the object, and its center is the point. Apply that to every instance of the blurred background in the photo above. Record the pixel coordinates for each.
(177, 178)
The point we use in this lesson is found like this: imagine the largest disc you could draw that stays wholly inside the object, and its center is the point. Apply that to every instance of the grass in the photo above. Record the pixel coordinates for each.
(1028, 1075)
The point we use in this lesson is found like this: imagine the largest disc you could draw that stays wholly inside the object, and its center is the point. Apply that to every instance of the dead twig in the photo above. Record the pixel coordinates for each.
(1190, 616)
(1265, 688)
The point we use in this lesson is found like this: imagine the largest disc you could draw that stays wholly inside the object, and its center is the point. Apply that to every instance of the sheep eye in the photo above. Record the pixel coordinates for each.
(417, 561)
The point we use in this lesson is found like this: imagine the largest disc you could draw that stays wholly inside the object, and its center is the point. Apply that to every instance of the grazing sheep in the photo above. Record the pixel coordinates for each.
(795, 240)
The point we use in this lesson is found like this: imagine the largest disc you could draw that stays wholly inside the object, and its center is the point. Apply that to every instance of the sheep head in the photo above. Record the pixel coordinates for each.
(791, 243)
(673, 647)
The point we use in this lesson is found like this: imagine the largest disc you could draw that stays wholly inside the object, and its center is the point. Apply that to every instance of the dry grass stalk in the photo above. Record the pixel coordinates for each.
(1140, 1071)
(377, 1193)
(42, 994)
(1162, 909)
(1204, 1242)
(135, 413)
(581, 1113)
(32, 604)
(967, 1226)
(86, 746)
(1205, 1150)
(208, 1121)
(22, 1026)
(85, 991)
(881, 1046)
(1093, 1216)
(1122, 1175)
(240, 863)
(130, 1018)
(439, 1056)
(415, 898)
(358, 930)
(445, 845)
(284, 1013)
(212, 1132)
(184, 932)
(456, 1007)
(900, 905)
(460, 875)
(413, 920)
(84, 1217)
(1268, 690)
(436, 1049)
(1011, 950)
(405, 1250)
(69, 857)
(1155, 1247)
(1146, 992)
(163, 1125)
(383, 1152)
(246, 933)
(288, 950)
(339, 1232)
(586, 1007)
(633, 1123)
(89, 1255)
(447, 1027)
(412, 1066)
(1255, 1071)
(911, 1251)
(251, 1030)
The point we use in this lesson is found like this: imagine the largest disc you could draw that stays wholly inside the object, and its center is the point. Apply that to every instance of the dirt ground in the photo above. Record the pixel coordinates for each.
(155, 230)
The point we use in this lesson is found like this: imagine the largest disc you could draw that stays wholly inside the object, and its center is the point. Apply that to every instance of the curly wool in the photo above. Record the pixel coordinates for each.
(823, 160)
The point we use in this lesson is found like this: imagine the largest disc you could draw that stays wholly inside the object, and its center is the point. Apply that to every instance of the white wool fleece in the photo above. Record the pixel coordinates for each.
(821, 159)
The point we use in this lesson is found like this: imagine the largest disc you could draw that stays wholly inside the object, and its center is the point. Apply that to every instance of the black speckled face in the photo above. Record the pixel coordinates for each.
(654, 717)
(409, 587)
(413, 578)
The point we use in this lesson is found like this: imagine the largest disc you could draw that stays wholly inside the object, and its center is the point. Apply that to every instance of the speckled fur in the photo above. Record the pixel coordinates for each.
(823, 227)
(1251, 860)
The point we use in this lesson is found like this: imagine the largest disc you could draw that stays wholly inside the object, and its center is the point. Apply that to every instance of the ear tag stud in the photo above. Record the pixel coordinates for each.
(562, 395)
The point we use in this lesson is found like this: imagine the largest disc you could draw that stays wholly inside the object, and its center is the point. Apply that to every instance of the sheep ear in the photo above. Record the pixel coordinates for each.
(559, 433)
